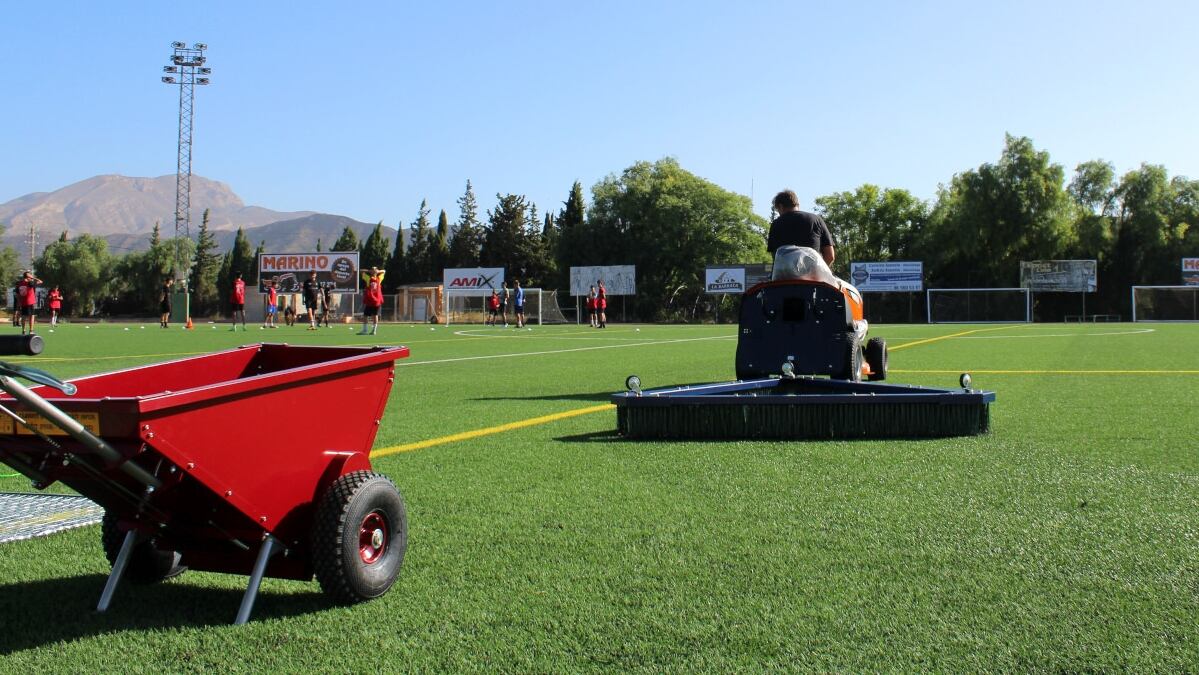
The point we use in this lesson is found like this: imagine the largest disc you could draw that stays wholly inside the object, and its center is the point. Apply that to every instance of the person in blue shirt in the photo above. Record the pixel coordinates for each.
(519, 304)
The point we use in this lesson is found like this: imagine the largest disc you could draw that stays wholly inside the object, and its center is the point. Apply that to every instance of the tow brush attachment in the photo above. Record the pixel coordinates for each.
(801, 408)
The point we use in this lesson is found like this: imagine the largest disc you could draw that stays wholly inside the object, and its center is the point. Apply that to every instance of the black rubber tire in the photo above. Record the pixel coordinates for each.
(876, 357)
(851, 365)
(350, 500)
(147, 563)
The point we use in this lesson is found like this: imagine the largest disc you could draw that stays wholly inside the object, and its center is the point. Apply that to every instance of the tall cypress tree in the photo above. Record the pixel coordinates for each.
(549, 245)
(504, 241)
(466, 239)
(396, 264)
(441, 247)
(374, 251)
(347, 242)
(252, 270)
(238, 260)
(223, 277)
(242, 256)
(569, 241)
(204, 274)
(422, 244)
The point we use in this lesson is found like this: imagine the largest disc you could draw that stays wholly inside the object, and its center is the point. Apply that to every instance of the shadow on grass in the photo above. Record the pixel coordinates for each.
(49, 611)
(606, 436)
(601, 397)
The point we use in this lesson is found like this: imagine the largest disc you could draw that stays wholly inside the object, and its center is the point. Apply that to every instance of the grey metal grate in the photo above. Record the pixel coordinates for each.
(25, 516)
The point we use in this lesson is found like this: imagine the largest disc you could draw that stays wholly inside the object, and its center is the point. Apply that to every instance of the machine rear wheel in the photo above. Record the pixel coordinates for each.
(359, 537)
(876, 357)
(147, 563)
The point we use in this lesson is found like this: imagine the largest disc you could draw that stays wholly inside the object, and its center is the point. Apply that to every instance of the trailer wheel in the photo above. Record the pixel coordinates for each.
(876, 356)
(147, 563)
(359, 537)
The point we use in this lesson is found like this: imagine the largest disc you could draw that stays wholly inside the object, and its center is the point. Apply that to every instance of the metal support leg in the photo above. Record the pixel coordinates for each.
(247, 601)
(118, 570)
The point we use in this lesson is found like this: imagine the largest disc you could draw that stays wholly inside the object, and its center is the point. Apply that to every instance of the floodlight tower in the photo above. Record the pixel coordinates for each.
(186, 70)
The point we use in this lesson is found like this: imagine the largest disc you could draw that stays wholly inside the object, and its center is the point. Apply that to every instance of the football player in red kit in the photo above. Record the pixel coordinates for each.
(372, 300)
(237, 301)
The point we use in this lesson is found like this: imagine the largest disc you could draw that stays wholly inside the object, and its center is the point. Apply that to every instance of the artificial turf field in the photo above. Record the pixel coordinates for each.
(1067, 539)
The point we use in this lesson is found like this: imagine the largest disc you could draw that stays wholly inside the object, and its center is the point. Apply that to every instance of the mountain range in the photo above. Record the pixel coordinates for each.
(124, 210)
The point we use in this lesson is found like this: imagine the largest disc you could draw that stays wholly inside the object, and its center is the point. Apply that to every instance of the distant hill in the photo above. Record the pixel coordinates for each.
(122, 205)
(124, 210)
(301, 234)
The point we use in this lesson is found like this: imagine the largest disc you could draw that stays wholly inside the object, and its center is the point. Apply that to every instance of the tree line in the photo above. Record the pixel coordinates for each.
(671, 224)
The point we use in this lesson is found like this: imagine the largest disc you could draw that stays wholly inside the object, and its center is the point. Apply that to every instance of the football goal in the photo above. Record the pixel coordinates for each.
(468, 307)
(1165, 303)
(979, 305)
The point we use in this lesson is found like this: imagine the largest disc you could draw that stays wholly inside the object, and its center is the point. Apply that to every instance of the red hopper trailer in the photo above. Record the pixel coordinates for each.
(194, 470)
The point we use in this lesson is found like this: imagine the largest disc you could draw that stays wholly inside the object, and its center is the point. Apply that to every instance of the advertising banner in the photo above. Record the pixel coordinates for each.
(338, 270)
(1190, 271)
(734, 279)
(724, 280)
(885, 277)
(473, 280)
(1063, 276)
(618, 279)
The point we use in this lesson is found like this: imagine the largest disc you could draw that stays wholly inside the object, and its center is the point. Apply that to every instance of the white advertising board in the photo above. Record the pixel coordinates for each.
(882, 277)
(618, 279)
(724, 280)
(734, 279)
(1059, 276)
(473, 280)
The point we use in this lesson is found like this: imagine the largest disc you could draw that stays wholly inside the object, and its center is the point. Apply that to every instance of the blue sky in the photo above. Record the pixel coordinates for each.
(363, 112)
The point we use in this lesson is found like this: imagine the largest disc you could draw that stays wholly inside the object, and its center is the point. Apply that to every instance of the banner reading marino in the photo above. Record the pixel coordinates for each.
(336, 270)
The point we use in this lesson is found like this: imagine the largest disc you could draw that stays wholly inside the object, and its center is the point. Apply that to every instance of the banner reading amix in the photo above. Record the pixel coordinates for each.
(473, 280)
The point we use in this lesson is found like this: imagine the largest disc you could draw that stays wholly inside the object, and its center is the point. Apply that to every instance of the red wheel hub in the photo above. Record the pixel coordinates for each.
(372, 537)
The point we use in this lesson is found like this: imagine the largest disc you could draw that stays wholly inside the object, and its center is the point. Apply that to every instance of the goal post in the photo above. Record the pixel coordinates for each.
(1165, 303)
(468, 307)
(979, 305)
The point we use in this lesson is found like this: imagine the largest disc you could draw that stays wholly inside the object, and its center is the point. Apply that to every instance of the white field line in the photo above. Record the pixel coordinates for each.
(561, 351)
(576, 337)
(1057, 335)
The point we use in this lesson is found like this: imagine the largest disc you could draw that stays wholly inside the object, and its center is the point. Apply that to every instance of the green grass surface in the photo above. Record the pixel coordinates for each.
(1067, 539)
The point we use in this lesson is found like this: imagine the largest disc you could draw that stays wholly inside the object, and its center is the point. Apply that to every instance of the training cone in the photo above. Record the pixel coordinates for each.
(189, 325)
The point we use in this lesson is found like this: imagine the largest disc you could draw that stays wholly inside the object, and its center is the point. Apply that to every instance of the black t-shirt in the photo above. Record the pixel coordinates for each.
(310, 291)
(166, 294)
(799, 228)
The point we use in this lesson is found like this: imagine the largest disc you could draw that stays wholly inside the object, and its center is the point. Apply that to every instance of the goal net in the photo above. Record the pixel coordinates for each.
(468, 307)
(1165, 303)
(551, 312)
(979, 305)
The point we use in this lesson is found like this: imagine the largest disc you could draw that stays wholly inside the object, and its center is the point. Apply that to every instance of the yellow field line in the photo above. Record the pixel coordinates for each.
(1050, 372)
(943, 337)
(467, 435)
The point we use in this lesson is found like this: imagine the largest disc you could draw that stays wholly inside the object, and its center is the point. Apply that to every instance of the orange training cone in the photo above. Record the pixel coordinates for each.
(189, 323)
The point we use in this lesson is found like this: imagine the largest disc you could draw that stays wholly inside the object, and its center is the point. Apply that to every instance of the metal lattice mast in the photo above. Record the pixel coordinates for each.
(187, 63)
